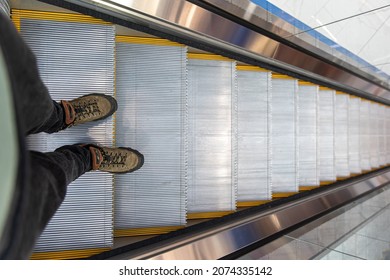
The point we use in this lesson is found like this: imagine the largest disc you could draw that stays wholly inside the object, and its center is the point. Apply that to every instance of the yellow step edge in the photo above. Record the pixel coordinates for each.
(281, 76)
(68, 254)
(308, 188)
(252, 203)
(66, 17)
(340, 92)
(207, 56)
(146, 41)
(208, 215)
(324, 183)
(283, 194)
(251, 68)
(353, 97)
(325, 88)
(305, 83)
(343, 178)
(145, 231)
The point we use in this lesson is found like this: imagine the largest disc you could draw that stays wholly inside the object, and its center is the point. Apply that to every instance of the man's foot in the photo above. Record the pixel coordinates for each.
(115, 160)
(87, 108)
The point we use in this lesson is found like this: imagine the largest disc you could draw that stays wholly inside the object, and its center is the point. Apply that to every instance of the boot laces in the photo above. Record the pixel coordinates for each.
(114, 158)
(86, 109)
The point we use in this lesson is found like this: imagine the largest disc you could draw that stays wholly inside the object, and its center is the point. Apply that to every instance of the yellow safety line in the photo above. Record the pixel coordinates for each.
(325, 88)
(146, 41)
(283, 194)
(340, 92)
(353, 97)
(324, 183)
(343, 178)
(207, 57)
(66, 17)
(251, 68)
(252, 203)
(68, 254)
(145, 231)
(208, 215)
(305, 83)
(16, 19)
(308, 188)
(281, 76)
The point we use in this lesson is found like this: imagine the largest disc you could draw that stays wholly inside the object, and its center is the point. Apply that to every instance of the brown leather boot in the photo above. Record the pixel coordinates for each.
(87, 108)
(115, 160)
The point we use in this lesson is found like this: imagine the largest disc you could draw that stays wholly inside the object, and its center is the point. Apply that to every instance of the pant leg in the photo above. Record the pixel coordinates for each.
(49, 176)
(38, 112)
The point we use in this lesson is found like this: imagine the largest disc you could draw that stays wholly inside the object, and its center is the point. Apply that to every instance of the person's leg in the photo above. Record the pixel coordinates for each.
(48, 177)
(38, 112)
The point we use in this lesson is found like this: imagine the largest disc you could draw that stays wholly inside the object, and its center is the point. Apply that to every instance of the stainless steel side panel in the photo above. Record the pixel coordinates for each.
(219, 242)
(190, 21)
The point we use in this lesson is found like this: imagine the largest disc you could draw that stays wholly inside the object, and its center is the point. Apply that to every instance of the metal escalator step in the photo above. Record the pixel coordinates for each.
(325, 135)
(341, 135)
(254, 92)
(151, 93)
(354, 135)
(307, 135)
(75, 59)
(365, 162)
(212, 136)
(382, 137)
(387, 134)
(283, 121)
(374, 135)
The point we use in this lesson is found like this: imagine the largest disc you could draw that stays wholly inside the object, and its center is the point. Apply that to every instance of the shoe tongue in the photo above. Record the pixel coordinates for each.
(96, 157)
(69, 111)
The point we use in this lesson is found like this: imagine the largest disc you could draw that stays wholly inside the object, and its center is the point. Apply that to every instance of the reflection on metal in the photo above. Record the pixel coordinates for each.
(5, 7)
(259, 16)
(222, 240)
(192, 22)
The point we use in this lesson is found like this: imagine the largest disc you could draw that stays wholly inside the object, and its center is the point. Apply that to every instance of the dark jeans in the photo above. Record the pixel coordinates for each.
(48, 174)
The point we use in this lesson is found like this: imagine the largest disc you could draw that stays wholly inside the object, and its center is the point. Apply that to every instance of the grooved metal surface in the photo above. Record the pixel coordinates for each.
(254, 92)
(382, 135)
(283, 142)
(212, 162)
(76, 59)
(365, 162)
(374, 135)
(341, 135)
(151, 92)
(325, 136)
(354, 135)
(387, 133)
(307, 135)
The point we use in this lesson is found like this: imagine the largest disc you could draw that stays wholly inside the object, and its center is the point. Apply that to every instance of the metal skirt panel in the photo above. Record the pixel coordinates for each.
(283, 142)
(354, 135)
(254, 89)
(307, 135)
(84, 220)
(341, 135)
(220, 241)
(185, 19)
(212, 162)
(326, 160)
(151, 93)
